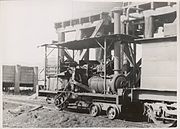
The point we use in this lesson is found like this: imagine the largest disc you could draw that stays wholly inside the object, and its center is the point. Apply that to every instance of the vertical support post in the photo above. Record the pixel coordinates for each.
(99, 54)
(137, 10)
(61, 38)
(127, 27)
(148, 31)
(35, 79)
(117, 46)
(152, 5)
(133, 29)
(49, 83)
(80, 52)
(73, 54)
(58, 67)
(117, 25)
(37, 90)
(121, 57)
(45, 68)
(122, 28)
(122, 23)
(105, 65)
(99, 51)
(134, 47)
(17, 79)
(86, 56)
(135, 67)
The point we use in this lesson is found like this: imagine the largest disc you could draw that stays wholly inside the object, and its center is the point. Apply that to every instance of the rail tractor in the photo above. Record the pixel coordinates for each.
(117, 81)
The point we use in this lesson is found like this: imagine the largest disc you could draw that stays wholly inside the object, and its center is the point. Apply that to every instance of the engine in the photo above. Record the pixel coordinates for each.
(90, 75)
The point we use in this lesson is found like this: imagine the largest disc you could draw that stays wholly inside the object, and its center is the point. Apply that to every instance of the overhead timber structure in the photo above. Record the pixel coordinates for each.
(135, 64)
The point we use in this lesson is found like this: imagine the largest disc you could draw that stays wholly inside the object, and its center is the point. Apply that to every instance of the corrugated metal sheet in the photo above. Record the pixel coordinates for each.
(159, 65)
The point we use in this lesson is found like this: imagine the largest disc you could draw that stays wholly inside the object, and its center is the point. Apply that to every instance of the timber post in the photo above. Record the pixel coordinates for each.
(35, 84)
(17, 79)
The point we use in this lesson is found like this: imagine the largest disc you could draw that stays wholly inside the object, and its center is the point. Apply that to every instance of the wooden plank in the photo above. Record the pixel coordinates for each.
(156, 40)
(152, 94)
(36, 108)
(157, 97)
(48, 91)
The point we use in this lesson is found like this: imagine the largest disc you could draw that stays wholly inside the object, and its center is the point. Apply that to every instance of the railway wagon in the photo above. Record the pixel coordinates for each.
(18, 76)
(118, 81)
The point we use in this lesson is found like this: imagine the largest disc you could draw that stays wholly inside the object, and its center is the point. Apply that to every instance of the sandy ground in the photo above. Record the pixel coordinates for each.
(18, 114)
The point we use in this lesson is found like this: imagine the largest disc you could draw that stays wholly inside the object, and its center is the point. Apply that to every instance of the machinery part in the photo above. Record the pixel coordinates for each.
(156, 112)
(79, 105)
(60, 100)
(81, 75)
(80, 85)
(112, 113)
(96, 83)
(95, 110)
(48, 99)
(118, 48)
(118, 81)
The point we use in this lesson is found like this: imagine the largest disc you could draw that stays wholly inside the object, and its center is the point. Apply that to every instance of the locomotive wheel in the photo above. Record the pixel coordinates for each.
(111, 113)
(94, 110)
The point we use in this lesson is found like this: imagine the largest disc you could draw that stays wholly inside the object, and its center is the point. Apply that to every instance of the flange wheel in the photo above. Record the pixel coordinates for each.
(111, 113)
(94, 110)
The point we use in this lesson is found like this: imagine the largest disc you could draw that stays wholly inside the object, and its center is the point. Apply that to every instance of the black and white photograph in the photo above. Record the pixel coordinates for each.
(89, 63)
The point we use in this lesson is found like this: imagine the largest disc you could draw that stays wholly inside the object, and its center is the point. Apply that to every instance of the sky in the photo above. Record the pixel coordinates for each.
(25, 24)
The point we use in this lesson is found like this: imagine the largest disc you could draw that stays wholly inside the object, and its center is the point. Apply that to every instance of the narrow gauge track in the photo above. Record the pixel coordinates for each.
(71, 111)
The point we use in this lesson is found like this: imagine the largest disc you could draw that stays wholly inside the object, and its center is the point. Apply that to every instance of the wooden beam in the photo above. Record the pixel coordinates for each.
(17, 79)
(35, 79)
(79, 26)
(45, 67)
(68, 56)
(83, 54)
(97, 28)
(86, 56)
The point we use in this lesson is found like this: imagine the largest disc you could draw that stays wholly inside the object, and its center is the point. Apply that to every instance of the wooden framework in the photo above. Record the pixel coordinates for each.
(152, 100)
(149, 10)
